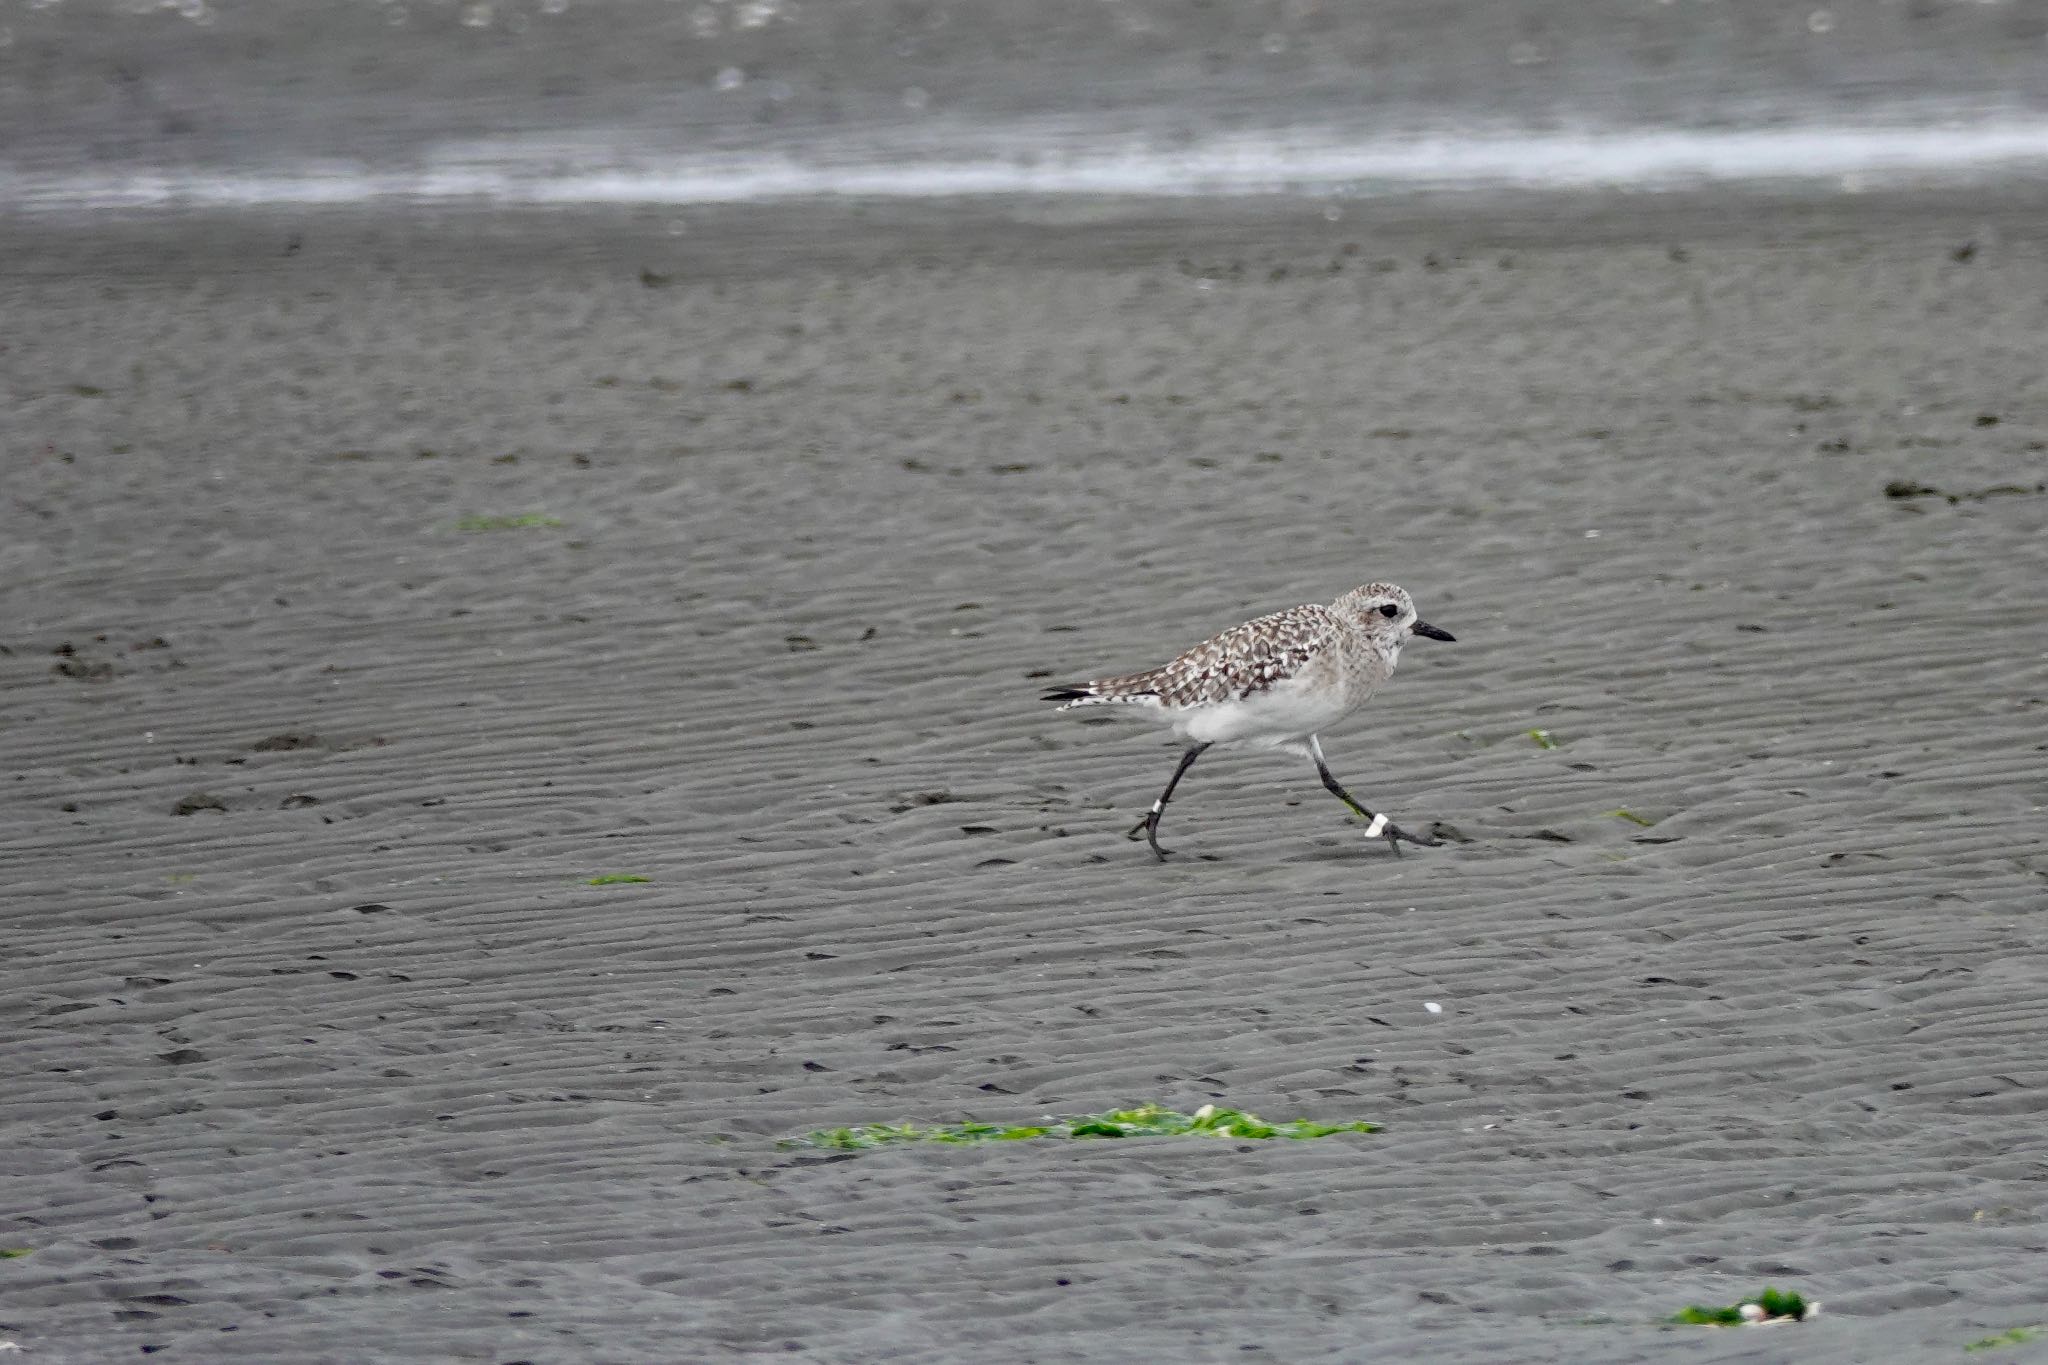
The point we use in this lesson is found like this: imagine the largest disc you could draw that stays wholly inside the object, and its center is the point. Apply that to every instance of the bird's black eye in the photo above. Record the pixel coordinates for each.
(1389, 610)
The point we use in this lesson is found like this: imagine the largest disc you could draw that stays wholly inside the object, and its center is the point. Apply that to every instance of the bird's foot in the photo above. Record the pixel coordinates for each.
(1381, 827)
(1150, 830)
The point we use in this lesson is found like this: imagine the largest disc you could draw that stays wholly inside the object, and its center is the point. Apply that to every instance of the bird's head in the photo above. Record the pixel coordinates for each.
(1387, 613)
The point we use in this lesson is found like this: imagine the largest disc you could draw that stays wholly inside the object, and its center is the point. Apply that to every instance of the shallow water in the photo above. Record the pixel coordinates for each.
(649, 101)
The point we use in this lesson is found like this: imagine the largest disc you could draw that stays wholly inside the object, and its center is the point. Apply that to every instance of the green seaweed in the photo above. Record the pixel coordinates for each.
(1624, 813)
(14, 1253)
(481, 523)
(2011, 1336)
(616, 879)
(1696, 1316)
(1542, 738)
(1146, 1120)
(1777, 1305)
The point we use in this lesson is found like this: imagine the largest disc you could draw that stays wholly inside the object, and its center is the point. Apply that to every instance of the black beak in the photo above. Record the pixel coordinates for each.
(1425, 628)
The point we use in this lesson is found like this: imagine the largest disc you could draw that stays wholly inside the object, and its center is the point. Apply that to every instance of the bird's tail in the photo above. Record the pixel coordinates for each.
(1134, 689)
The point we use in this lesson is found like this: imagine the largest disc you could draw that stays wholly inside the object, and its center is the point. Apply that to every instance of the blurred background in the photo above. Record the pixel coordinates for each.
(130, 102)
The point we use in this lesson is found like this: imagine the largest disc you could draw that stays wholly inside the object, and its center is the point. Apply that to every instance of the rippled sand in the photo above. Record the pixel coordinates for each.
(349, 1062)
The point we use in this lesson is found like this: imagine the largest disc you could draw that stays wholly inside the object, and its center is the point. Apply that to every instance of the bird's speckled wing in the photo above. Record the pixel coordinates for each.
(1240, 662)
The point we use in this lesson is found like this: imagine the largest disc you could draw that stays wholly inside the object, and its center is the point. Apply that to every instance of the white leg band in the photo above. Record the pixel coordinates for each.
(1373, 830)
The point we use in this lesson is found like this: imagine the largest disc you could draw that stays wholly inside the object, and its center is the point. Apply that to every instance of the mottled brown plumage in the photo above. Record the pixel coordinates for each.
(1243, 660)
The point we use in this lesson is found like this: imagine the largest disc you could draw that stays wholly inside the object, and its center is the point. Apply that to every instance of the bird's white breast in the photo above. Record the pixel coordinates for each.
(1281, 715)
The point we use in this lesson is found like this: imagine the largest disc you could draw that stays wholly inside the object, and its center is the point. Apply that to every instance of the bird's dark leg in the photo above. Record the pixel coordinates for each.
(1374, 824)
(1150, 824)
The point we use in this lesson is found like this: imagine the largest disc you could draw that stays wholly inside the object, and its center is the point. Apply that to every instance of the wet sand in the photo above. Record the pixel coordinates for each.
(320, 1046)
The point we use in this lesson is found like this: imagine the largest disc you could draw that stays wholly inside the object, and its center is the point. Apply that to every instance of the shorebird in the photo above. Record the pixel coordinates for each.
(1272, 683)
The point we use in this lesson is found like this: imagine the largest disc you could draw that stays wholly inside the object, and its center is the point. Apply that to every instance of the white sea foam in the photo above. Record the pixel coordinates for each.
(1063, 161)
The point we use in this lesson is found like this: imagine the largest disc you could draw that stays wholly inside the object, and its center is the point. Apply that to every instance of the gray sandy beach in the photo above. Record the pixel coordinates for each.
(321, 1046)
(507, 713)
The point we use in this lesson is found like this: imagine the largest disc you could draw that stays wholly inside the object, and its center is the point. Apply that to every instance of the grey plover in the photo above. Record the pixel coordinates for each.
(1272, 683)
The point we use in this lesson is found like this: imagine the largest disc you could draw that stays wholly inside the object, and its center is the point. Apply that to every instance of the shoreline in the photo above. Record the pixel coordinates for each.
(1072, 231)
(1048, 160)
